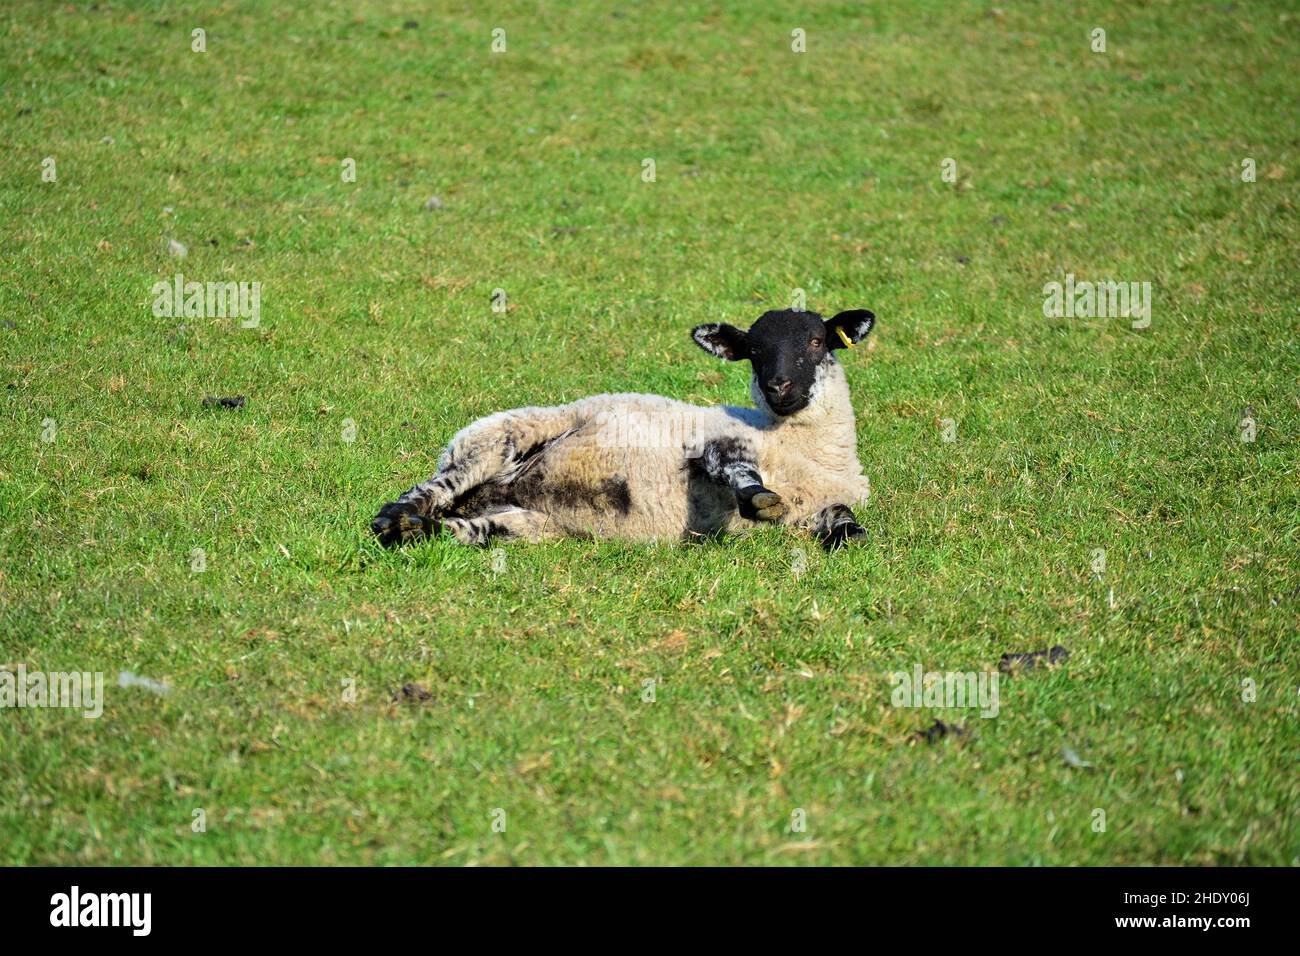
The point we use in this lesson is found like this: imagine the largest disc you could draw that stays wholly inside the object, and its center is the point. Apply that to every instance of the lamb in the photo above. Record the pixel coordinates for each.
(648, 468)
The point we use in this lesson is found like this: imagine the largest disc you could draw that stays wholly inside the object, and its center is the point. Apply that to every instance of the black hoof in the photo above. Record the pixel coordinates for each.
(399, 522)
(758, 504)
(843, 534)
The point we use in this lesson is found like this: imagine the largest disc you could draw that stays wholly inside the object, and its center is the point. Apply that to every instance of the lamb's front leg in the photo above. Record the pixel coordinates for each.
(732, 462)
(835, 526)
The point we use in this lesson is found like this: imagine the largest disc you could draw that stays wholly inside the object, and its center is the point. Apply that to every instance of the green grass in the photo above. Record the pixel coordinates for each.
(774, 171)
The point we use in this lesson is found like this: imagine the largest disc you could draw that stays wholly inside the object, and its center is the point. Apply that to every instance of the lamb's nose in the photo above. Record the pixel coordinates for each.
(780, 387)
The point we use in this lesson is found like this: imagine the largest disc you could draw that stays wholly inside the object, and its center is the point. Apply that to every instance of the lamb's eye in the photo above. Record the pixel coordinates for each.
(816, 343)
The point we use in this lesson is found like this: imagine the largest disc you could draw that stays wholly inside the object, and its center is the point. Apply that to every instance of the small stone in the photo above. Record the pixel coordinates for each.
(411, 693)
(1028, 660)
(177, 249)
(937, 731)
(433, 202)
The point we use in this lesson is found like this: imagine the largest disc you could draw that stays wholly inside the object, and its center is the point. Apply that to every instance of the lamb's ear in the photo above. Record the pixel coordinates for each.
(849, 328)
(724, 341)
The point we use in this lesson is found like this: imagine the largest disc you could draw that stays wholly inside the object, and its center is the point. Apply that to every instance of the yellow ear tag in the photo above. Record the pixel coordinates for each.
(843, 338)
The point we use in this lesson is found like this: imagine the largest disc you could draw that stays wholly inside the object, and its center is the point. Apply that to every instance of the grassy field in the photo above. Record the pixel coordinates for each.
(1176, 712)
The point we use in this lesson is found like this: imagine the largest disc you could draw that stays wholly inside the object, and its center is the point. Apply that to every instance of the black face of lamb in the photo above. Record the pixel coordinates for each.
(787, 350)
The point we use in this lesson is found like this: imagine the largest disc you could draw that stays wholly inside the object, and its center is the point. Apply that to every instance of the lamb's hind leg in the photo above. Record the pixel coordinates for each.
(489, 448)
(508, 523)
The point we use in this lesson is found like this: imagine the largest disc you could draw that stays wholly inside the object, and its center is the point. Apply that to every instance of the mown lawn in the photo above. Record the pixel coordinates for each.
(774, 171)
